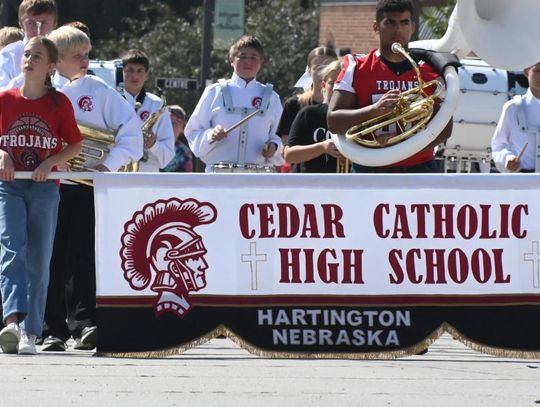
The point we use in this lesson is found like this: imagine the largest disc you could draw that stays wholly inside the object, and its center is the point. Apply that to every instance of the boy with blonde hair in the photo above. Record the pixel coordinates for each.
(9, 35)
(72, 284)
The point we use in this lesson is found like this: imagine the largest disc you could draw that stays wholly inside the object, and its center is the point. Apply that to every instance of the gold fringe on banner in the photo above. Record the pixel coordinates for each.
(172, 351)
(390, 354)
(490, 350)
(254, 350)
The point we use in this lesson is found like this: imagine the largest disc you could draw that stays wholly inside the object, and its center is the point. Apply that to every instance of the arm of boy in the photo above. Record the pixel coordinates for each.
(274, 143)
(200, 132)
(128, 147)
(162, 145)
(501, 148)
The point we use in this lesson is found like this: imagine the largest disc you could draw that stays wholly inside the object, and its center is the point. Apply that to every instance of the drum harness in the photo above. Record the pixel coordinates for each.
(523, 125)
(244, 111)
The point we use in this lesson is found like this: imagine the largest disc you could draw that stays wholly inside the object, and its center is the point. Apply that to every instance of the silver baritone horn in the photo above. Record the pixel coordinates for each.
(503, 33)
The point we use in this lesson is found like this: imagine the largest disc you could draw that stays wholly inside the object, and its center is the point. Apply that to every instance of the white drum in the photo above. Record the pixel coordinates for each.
(484, 90)
(230, 167)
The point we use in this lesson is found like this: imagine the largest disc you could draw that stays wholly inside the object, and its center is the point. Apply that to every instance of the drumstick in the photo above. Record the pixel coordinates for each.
(522, 151)
(239, 123)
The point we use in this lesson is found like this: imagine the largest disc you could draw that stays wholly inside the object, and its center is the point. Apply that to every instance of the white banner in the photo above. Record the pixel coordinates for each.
(317, 235)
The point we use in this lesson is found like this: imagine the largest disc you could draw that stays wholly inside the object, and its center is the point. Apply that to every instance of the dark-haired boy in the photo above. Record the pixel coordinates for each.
(370, 86)
(159, 141)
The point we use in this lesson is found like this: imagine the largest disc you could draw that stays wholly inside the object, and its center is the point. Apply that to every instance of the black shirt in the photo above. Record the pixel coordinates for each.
(310, 127)
(290, 110)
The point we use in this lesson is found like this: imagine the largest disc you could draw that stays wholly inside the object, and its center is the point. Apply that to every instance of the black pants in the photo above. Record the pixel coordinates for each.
(428, 167)
(72, 287)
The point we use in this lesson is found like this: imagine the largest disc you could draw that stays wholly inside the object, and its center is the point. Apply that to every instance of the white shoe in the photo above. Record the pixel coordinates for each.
(27, 343)
(9, 338)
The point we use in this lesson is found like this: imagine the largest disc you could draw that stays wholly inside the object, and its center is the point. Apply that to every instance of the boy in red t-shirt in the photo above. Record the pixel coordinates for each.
(370, 85)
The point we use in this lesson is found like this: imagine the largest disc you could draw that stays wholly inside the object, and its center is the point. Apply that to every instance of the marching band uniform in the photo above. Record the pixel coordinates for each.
(162, 152)
(225, 103)
(10, 63)
(519, 124)
(73, 284)
(99, 106)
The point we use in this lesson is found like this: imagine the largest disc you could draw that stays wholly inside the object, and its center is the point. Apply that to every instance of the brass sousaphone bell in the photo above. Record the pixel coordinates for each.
(413, 111)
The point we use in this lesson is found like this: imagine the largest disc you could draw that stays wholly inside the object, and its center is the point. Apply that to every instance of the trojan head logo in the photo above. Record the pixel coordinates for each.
(29, 141)
(162, 250)
(85, 103)
(256, 102)
(144, 115)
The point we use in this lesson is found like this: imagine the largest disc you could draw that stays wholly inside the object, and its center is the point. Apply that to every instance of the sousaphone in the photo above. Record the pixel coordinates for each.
(501, 32)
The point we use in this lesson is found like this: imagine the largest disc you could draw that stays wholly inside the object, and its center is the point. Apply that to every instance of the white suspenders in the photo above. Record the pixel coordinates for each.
(243, 111)
(523, 125)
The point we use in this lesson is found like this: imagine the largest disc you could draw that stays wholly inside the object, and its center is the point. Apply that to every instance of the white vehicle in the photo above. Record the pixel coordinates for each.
(109, 71)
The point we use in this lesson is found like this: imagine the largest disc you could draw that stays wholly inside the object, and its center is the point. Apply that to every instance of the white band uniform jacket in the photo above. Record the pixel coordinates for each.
(162, 152)
(509, 138)
(101, 107)
(211, 111)
(10, 63)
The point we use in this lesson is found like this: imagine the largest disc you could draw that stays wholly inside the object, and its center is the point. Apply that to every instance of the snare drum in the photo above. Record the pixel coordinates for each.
(227, 166)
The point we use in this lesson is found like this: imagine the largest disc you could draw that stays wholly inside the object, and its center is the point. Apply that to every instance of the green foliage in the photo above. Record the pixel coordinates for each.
(172, 43)
(288, 30)
(437, 18)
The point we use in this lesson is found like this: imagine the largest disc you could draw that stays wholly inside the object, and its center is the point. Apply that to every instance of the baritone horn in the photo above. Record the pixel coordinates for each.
(413, 110)
(95, 147)
(343, 165)
(146, 128)
(503, 33)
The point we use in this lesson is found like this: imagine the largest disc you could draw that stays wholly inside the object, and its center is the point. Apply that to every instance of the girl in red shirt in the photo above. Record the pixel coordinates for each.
(35, 124)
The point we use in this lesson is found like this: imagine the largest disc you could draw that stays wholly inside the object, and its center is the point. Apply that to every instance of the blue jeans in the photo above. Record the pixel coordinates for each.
(28, 212)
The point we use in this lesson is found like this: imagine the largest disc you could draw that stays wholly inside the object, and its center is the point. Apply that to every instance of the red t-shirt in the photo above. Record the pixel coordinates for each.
(368, 77)
(33, 130)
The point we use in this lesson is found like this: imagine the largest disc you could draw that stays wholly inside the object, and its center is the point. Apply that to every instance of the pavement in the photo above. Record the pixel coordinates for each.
(220, 373)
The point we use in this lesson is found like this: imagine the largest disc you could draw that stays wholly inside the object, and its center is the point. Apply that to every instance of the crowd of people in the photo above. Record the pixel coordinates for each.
(48, 99)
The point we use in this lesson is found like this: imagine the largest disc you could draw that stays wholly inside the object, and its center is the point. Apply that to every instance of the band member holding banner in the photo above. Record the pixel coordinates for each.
(515, 141)
(35, 121)
(217, 132)
(370, 85)
(100, 108)
(309, 141)
(36, 17)
(159, 139)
